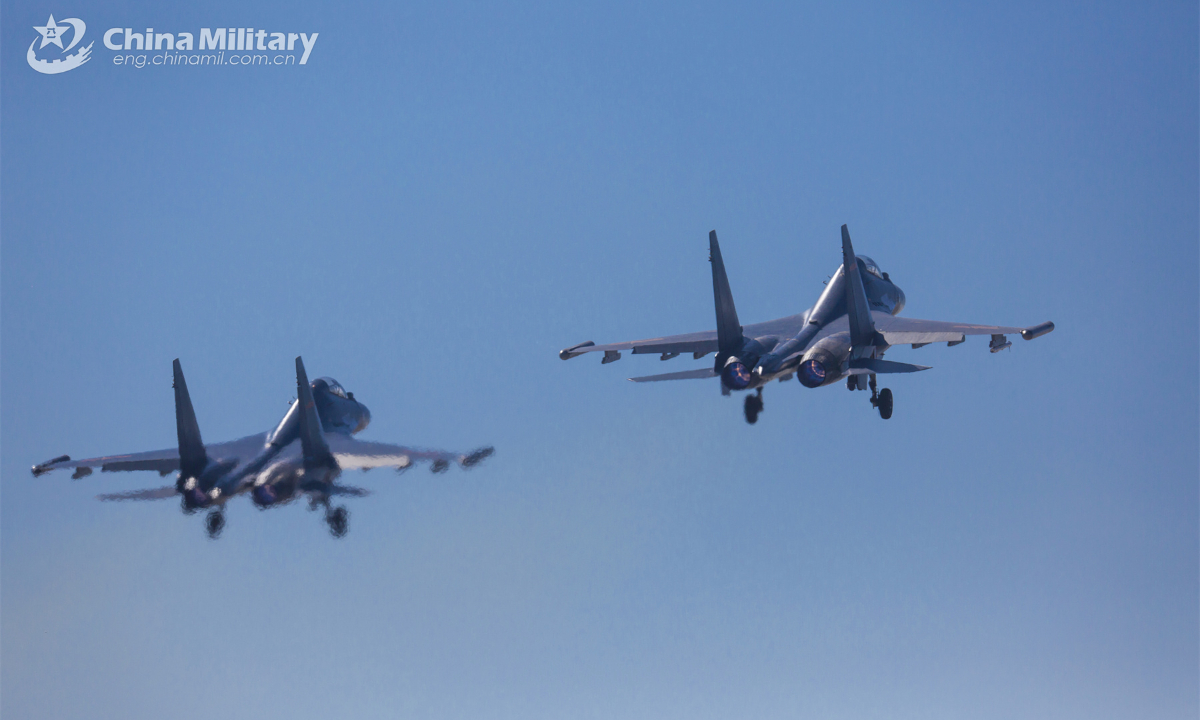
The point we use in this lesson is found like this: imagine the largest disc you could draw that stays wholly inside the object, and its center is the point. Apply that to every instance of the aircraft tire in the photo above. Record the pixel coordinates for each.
(885, 403)
(752, 408)
(339, 522)
(214, 523)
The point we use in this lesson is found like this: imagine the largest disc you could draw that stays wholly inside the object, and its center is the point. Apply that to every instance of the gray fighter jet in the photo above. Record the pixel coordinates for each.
(843, 336)
(303, 456)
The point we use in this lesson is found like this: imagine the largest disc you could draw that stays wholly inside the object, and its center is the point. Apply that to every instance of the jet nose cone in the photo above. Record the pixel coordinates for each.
(364, 418)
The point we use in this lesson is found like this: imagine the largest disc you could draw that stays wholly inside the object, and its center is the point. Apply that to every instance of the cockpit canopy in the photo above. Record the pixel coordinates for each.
(330, 384)
(869, 265)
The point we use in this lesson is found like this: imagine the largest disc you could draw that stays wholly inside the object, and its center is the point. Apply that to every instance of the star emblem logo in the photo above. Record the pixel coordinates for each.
(51, 33)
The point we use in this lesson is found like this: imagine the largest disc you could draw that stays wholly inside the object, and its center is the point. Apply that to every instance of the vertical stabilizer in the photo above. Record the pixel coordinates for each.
(862, 327)
(192, 457)
(312, 437)
(729, 330)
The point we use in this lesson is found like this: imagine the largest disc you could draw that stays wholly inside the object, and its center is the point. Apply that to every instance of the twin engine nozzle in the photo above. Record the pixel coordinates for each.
(812, 373)
(264, 495)
(823, 362)
(201, 490)
(735, 375)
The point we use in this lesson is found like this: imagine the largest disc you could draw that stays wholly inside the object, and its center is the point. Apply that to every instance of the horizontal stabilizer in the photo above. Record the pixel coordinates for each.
(163, 493)
(700, 374)
(882, 367)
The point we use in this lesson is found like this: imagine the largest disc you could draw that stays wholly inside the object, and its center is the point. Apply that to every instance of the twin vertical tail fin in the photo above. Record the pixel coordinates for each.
(729, 330)
(312, 437)
(192, 457)
(862, 327)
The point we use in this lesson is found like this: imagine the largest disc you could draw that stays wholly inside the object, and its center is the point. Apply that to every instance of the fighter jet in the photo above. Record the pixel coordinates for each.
(303, 456)
(842, 337)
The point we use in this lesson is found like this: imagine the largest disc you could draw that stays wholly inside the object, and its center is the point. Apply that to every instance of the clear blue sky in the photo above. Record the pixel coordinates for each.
(444, 196)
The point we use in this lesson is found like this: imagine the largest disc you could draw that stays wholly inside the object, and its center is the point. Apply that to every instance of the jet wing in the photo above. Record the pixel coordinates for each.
(697, 343)
(162, 461)
(700, 343)
(347, 490)
(903, 331)
(352, 454)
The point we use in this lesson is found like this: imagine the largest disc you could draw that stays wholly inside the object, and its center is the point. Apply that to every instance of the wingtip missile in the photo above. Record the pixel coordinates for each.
(474, 458)
(1037, 331)
(43, 468)
(568, 353)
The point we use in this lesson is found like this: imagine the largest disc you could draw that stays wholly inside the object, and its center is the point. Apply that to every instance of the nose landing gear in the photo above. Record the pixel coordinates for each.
(754, 405)
(881, 400)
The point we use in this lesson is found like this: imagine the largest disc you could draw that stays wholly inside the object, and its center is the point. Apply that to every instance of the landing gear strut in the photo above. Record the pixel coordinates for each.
(754, 405)
(214, 523)
(881, 400)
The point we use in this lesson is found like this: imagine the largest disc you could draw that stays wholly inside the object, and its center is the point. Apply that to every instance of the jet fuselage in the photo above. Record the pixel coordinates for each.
(338, 411)
(761, 359)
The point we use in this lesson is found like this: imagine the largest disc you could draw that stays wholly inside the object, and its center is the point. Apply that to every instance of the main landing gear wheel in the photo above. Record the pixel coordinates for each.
(881, 400)
(885, 403)
(214, 523)
(339, 522)
(754, 405)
